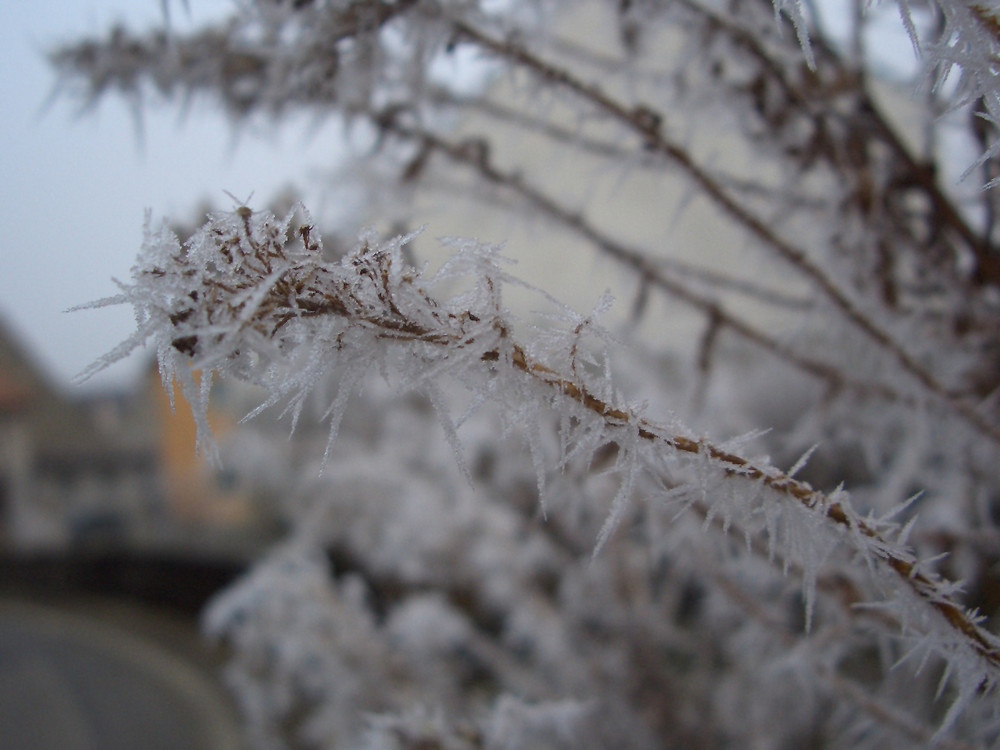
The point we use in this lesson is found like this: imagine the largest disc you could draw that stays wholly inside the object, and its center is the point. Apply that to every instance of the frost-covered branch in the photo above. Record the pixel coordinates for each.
(669, 276)
(244, 298)
(967, 43)
(647, 124)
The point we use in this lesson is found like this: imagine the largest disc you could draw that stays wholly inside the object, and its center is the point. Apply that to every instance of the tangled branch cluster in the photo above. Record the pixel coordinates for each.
(243, 298)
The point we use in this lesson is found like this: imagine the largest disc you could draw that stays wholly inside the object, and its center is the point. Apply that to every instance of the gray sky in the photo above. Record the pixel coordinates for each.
(73, 189)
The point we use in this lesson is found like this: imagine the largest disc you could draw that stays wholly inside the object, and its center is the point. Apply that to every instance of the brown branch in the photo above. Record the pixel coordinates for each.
(986, 19)
(735, 466)
(946, 214)
(557, 133)
(302, 286)
(738, 467)
(646, 124)
(651, 272)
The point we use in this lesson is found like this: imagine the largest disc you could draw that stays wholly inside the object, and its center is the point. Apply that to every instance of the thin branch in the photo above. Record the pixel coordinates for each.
(647, 125)
(988, 265)
(649, 270)
(237, 285)
(927, 589)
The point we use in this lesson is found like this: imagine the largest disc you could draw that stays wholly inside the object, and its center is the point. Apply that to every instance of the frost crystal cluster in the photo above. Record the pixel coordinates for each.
(784, 225)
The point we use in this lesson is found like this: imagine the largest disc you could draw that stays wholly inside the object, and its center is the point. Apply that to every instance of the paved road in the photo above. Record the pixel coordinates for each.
(71, 682)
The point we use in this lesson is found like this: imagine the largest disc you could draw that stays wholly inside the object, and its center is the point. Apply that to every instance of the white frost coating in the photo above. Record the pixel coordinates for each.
(243, 299)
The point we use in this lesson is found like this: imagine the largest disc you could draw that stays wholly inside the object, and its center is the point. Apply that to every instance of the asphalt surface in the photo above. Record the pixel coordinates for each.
(71, 681)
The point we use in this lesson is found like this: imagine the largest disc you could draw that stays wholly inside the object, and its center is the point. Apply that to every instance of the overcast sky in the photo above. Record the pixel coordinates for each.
(73, 189)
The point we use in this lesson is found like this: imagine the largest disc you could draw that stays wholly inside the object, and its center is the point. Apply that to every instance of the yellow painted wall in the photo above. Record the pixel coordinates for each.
(194, 492)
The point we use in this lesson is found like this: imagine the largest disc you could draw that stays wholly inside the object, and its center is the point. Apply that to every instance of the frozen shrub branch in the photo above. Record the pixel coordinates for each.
(243, 298)
(802, 96)
(474, 154)
(647, 124)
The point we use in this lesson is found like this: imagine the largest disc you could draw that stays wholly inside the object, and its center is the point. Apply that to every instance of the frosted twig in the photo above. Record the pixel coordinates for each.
(647, 125)
(651, 271)
(242, 299)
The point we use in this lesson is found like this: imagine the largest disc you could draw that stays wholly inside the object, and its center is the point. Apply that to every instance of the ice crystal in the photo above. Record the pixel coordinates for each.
(251, 296)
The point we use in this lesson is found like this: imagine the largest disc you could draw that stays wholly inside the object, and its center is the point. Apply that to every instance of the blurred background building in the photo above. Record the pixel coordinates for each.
(109, 469)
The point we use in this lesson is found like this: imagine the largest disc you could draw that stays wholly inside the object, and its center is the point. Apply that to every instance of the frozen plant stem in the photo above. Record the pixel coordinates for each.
(248, 297)
(794, 489)
(647, 125)
(651, 272)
